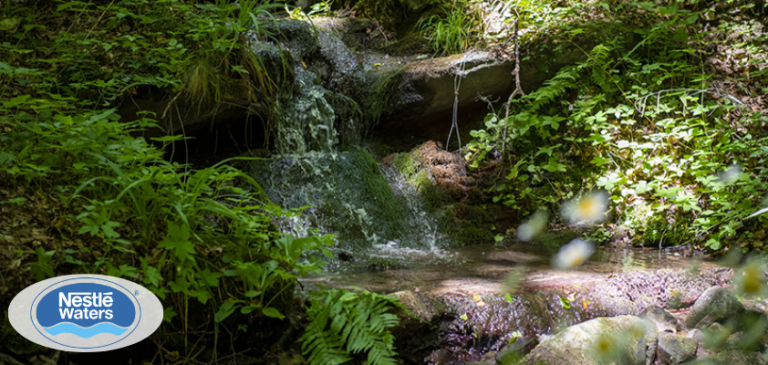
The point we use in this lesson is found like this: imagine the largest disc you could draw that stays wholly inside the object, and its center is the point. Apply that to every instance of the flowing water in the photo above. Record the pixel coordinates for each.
(387, 241)
(484, 269)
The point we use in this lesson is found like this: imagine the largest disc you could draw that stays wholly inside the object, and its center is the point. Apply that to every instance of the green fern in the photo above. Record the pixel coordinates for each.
(343, 323)
(557, 86)
(599, 61)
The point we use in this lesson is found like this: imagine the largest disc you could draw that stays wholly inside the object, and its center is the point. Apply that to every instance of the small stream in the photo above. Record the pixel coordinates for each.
(481, 295)
(483, 269)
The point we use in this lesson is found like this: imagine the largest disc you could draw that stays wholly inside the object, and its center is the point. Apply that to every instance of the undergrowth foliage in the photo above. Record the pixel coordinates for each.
(648, 120)
(344, 323)
(203, 240)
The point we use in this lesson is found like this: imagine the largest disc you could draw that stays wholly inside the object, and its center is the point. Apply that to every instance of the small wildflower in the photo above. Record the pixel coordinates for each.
(589, 209)
(573, 254)
(751, 280)
(536, 224)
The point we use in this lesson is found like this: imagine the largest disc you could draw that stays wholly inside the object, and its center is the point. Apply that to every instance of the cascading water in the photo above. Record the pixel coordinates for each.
(374, 212)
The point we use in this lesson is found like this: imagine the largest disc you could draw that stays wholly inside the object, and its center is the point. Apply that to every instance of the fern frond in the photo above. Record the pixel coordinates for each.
(557, 86)
(344, 323)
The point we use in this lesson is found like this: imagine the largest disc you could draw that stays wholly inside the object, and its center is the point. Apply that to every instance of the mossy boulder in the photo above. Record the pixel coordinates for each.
(623, 340)
(341, 192)
(663, 320)
(470, 236)
(675, 349)
(714, 305)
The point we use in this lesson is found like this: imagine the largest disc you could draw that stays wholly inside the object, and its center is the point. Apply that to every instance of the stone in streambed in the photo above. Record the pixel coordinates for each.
(514, 352)
(714, 305)
(734, 358)
(625, 340)
(664, 321)
(675, 349)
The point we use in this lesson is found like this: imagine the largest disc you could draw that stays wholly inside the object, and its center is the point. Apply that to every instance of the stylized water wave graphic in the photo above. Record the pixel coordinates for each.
(87, 332)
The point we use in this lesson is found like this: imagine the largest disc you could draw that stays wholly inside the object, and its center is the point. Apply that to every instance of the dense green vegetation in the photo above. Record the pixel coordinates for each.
(677, 141)
(646, 118)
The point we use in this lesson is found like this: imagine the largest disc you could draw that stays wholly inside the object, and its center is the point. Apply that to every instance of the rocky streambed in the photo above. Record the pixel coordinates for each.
(645, 317)
(482, 305)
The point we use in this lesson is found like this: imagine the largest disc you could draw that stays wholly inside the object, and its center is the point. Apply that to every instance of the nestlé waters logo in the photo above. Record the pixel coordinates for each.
(85, 313)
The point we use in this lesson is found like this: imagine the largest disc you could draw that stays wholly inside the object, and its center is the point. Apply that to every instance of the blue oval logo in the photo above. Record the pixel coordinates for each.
(85, 313)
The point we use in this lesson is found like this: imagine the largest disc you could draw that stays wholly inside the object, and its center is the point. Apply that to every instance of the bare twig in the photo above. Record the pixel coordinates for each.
(518, 88)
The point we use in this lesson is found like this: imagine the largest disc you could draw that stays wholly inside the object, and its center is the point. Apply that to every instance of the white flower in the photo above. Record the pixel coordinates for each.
(573, 254)
(590, 208)
(536, 224)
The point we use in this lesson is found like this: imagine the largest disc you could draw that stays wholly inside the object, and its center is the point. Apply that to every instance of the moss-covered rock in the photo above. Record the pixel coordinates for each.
(469, 236)
(621, 340)
(675, 349)
(345, 192)
(714, 305)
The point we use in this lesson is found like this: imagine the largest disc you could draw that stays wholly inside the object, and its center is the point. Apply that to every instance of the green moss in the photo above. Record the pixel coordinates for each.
(11, 341)
(384, 96)
(346, 191)
(412, 43)
(472, 235)
(348, 119)
(406, 164)
(657, 229)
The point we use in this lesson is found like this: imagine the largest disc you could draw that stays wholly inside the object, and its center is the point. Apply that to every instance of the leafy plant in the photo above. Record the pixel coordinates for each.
(641, 121)
(451, 31)
(344, 323)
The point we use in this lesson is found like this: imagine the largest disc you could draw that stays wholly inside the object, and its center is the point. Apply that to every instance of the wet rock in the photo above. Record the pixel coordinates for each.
(696, 334)
(675, 349)
(714, 305)
(753, 321)
(423, 307)
(715, 336)
(515, 351)
(630, 340)
(737, 358)
(415, 335)
(746, 342)
(664, 321)
(440, 357)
